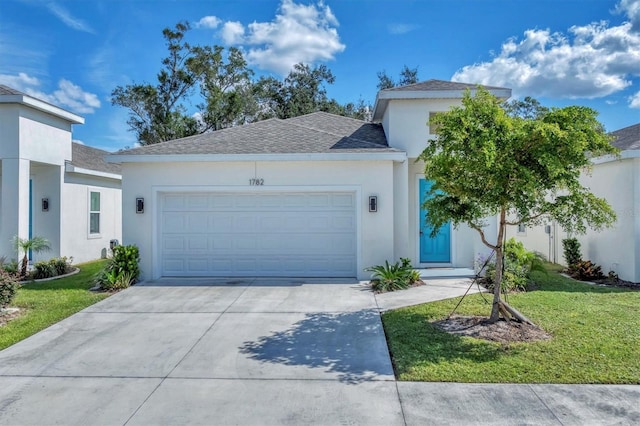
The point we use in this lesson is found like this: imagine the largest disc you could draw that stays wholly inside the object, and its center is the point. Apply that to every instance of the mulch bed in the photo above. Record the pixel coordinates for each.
(501, 331)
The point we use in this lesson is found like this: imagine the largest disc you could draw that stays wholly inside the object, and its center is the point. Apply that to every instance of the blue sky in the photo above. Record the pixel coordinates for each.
(563, 52)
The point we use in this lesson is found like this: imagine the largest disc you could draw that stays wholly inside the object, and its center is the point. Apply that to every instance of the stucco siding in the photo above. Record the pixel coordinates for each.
(615, 248)
(46, 180)
(408, 119)
(44, 138)
(76, 240)
(9, 130)
(364, 178)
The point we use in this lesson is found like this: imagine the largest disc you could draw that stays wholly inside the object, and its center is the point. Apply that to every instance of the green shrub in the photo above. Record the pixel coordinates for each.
(122, 270)
(8, 287)
(11, 267)
(52, 268)
(518, 265)
(125, 260)
(43, 269)
(62, 265)
(571, 249)
(414, 276)
(390, 277)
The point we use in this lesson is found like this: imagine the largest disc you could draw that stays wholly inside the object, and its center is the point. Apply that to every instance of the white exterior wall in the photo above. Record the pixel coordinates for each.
(616, 248)
(46, 184)
(43, 137)
(405, 122)
(74, 226)
(365, 178)
(534, 238)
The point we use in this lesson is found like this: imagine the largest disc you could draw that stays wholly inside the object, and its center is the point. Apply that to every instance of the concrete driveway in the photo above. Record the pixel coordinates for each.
(257, 351)
(260, 352)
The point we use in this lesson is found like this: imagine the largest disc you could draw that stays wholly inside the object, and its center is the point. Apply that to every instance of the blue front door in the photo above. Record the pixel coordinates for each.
(437, 249)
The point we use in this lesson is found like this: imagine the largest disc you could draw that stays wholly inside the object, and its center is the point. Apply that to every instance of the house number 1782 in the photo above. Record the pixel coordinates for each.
(256, 182)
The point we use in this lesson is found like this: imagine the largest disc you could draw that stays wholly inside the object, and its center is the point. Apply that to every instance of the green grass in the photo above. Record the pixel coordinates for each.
(596, 338)
(48, 302)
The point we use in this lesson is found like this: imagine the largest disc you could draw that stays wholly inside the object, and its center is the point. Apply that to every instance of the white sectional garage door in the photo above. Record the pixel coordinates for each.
(258, 234)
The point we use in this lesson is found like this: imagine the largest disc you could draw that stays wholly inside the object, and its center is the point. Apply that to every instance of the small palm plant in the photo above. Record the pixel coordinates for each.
(390, 277)
(24, 245)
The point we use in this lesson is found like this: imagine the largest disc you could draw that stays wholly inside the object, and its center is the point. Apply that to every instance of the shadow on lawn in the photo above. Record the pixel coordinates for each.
(351, 344)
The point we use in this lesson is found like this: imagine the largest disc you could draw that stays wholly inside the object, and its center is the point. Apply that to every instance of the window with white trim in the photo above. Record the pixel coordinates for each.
(522, 228)
(94, 213)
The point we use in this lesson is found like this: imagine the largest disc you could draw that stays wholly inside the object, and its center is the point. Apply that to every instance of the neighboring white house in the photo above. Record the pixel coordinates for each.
(617, 179)
(52, 187)
(317, 195)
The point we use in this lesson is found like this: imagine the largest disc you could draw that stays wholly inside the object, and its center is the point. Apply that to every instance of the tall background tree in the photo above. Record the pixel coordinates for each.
(157, 112)
(407, 76)
(517, 164)
(220, 84)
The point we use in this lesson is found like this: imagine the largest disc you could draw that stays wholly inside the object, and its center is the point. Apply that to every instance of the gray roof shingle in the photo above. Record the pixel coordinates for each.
(6, 90)
(627, 138)
(317, 132)
(87, 157)
(436, 85)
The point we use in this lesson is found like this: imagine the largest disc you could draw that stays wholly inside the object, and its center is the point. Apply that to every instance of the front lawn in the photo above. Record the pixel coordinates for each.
(46, 303)
(596, 338)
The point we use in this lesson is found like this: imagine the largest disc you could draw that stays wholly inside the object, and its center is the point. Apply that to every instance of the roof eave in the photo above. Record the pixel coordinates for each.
(42, 106)
(624, 155)
(397, 156)
(70, 168)
(383, 97)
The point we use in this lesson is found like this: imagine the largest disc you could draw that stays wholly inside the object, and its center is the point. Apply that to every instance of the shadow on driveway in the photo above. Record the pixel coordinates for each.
(351, 344)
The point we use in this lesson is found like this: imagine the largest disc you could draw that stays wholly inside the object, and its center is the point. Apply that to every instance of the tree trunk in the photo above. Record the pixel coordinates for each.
(23, 267)
(495, 308)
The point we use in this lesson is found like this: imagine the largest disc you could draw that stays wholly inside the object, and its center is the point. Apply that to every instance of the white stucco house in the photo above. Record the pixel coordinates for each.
(52, 187)
(314, 196)
(616, 179)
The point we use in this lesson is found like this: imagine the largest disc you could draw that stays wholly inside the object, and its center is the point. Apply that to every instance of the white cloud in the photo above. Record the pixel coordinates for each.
(67, 95)
(18, 82)
(232, 32)
(74, 97)
(298, 33)
(634, 100)
(631, 8)
(589, 61)
(208, 22)
(65, 16)
(398, 28)
(78, 141)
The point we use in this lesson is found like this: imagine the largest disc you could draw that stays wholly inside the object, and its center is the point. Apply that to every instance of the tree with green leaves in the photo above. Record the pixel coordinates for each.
(487, 163)
(407, 76)
(157, 112)
(25, 245)
(302, 92)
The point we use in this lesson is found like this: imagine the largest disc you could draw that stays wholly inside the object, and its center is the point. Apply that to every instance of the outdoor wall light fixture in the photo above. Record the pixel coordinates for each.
(139, 205)
(373, 203)
(45, 204)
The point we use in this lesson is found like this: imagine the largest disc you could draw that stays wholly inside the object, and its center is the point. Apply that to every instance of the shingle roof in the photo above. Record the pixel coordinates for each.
(627, 138)
(6, 90)
(87, 157)
(318, 132)
(435, 85)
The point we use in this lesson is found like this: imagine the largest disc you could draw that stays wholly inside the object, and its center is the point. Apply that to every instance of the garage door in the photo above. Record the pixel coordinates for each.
(258, 234)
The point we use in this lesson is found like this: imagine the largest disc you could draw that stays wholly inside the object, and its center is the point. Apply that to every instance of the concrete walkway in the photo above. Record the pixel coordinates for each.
(259, 351)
